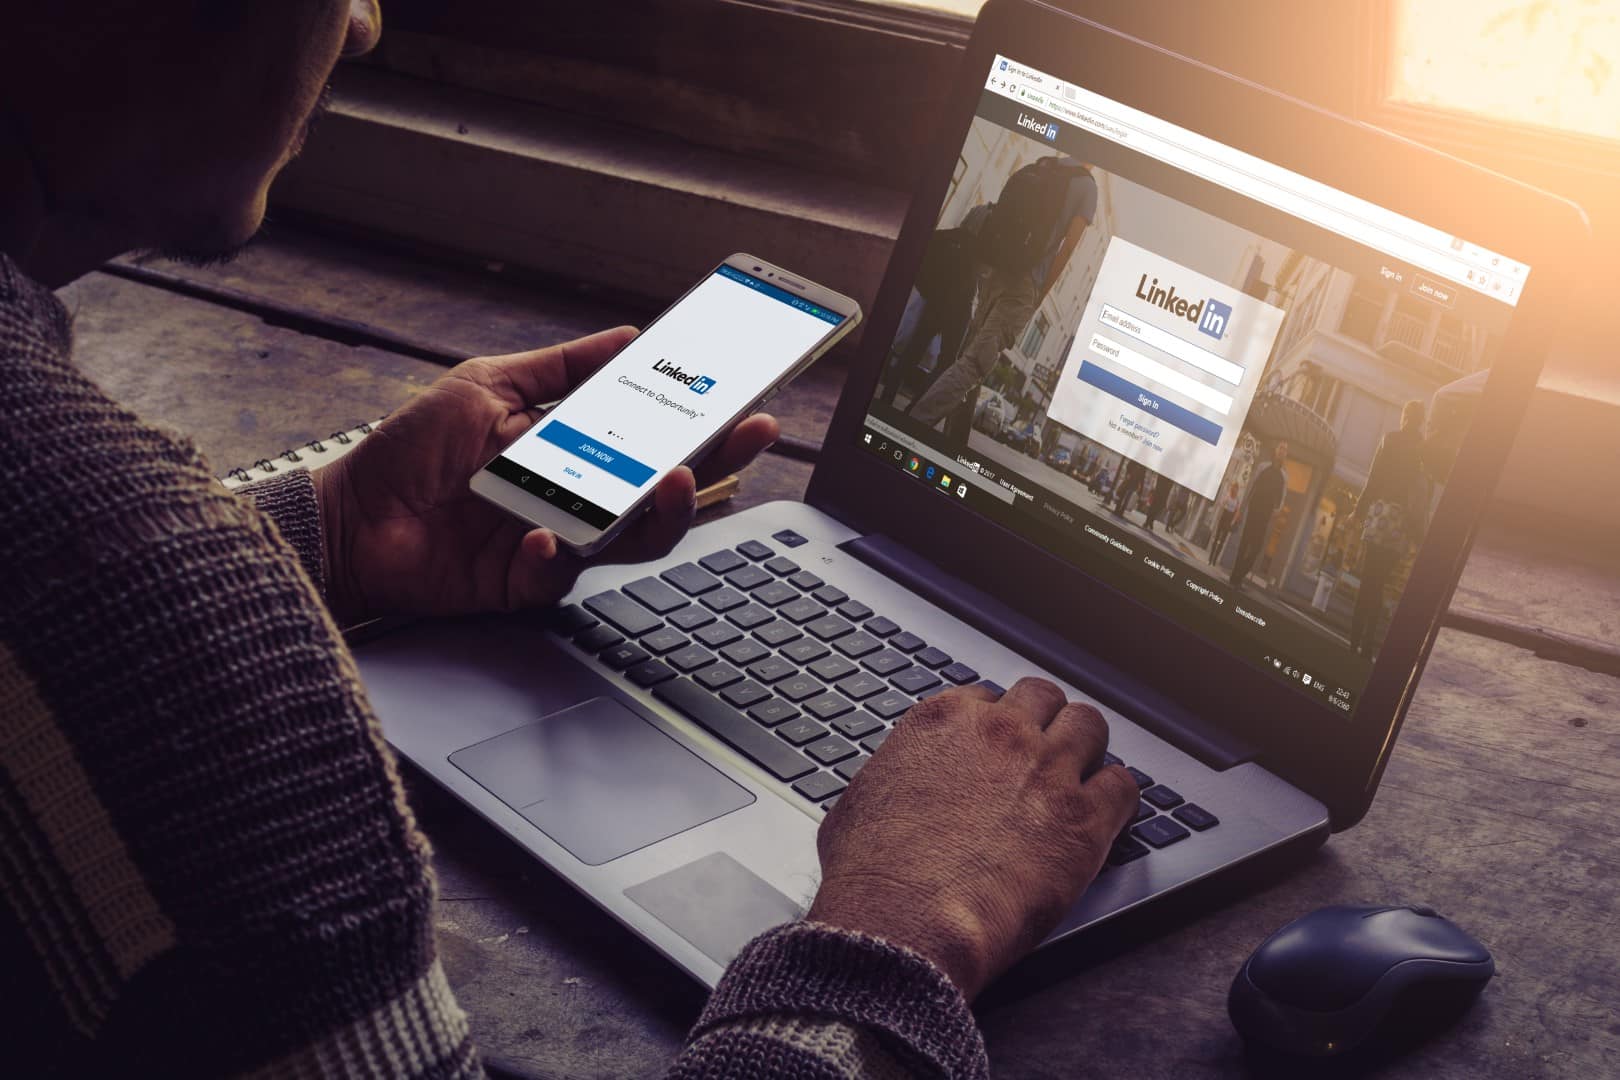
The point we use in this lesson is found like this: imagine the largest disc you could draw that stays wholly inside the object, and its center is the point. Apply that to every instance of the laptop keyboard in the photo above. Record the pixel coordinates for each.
(796, 675)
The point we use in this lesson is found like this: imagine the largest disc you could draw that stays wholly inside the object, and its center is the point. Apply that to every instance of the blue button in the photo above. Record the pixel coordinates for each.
(609, 460)
(1168, 411)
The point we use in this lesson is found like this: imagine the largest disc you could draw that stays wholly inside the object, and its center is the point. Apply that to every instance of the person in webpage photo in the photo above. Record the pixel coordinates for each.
(1179, 355)
(207, 860)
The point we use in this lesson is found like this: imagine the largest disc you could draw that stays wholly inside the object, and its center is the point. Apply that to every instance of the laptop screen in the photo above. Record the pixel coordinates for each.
(1229, 390)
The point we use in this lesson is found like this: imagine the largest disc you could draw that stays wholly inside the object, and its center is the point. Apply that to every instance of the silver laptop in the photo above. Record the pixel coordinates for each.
(1180, 393)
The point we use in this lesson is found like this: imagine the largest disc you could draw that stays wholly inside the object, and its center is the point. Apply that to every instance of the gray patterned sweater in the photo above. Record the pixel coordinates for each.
(207, 861)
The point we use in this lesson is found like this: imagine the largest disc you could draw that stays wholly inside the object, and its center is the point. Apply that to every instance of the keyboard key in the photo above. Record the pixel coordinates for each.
(915, 680)
(882, 626)
(772, 669)
(832, 668)
(874, 740)
(782, 566)
(570, 619)
(748, 577)
(723, 599)
(822, 785)
(1143, 812)
(850, 766)
(690, 658)
(932, 657)
(746, 693)
(1160, 831)
(886, 662)
(827, 706)
(858, 644)
(744, 652)
(829, 627)
(889, 705)
(721, 562)
(906, 642)
(1143, 780)
(624, 614)
(735, 729)
(664, 639)
(691, 579)
(830, 803)
(649, 673)
(776, 632)
(994, 687)
(861, 686)
(691, 617)
(718, 634)
(715, 676)
(854, 611)
(788, 538)
(960, 674)
(750, 615)
(857, 725)
(755, 550)
(807, 581)
(801, 610)
(830, 595)
(777, 592)
(1109, 758)
(773, 712)
(803, 651)
(655, 594)
(830, 750)
(598, 638)
(801, 731)
(1162, 797)
(1125, 849)
(798, 687)
(622, 656)
(1196, 816)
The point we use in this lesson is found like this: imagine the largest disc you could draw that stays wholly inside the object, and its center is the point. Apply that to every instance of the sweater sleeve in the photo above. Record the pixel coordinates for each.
(206, 860)
(806, 1000)
(289, 500)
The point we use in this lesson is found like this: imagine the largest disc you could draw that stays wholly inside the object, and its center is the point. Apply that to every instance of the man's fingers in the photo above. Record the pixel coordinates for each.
(544, 375)
(660, 528)
(1114, 796)
(747, 440)
(1080, 727)
(1037, 699)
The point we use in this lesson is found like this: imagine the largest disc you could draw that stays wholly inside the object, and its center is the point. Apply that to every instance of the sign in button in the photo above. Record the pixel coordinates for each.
(1168, 411)
(609, 460)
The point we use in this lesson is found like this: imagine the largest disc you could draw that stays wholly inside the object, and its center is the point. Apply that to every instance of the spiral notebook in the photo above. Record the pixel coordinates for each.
(317, 452)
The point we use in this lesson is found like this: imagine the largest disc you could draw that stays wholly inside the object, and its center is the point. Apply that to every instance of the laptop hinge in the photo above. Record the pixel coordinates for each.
(1126, 694)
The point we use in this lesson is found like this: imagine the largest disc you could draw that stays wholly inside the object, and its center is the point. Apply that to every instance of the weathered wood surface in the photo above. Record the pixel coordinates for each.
(1497, 808)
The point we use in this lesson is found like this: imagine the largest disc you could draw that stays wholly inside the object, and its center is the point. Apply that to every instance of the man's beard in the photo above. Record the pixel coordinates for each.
(206, 255)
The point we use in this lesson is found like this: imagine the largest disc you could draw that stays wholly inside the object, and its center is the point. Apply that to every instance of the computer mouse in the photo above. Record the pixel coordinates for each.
(1346, 976)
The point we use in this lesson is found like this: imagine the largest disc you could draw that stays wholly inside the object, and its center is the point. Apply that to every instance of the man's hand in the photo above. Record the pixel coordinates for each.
(405, 535)
(970, 833)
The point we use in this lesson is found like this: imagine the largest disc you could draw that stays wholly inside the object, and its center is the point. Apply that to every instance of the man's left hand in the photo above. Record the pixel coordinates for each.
(405, 535)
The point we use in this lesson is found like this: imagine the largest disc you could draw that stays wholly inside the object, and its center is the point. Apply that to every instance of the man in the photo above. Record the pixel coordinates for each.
(207, 863)
(1024, 242)
(1391, 513)
(1266, 493)
(945, 287)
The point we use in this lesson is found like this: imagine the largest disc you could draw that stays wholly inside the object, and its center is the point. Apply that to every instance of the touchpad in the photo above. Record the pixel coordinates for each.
(600, 780)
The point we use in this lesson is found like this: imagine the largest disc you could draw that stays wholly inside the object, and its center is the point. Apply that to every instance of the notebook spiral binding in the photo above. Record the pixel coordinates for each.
(310, 455)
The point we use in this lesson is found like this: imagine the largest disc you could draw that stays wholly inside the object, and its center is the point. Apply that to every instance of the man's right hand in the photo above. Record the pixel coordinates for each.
(970, 833)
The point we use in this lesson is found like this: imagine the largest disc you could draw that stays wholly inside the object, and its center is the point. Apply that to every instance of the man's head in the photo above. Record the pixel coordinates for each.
(156, 123)
(1279, 453)
(1412, 416)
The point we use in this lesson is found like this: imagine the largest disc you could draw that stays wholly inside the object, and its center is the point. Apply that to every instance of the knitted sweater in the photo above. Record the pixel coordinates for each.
(208, 864)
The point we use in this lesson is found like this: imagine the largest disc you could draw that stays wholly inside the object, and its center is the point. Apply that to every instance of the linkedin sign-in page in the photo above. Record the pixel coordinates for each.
(669, 390)
(1164, 365)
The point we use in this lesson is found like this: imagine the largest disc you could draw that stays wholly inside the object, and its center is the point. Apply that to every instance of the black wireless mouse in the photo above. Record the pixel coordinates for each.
(1342, 977)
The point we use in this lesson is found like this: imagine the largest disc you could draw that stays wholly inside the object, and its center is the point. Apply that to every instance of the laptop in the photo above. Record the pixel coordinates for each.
(1178, 392)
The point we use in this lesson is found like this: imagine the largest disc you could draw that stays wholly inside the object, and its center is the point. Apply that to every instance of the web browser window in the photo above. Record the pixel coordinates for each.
(664, 395)
(1228, 389)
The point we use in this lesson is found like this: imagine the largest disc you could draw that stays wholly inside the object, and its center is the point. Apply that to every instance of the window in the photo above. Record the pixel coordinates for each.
(1034, 335)
(1362, 311)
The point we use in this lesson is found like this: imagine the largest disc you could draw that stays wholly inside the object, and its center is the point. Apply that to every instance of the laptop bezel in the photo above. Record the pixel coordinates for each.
(1339, 760)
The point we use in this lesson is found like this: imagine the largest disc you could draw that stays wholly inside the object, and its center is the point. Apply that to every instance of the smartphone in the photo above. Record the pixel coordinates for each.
(735, 338)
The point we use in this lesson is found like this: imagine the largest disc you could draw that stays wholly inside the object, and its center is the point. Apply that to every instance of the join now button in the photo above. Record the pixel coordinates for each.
(609, 460)
(1168, 411)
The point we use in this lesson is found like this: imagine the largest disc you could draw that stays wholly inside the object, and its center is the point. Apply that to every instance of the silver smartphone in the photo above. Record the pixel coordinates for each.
(716, 355)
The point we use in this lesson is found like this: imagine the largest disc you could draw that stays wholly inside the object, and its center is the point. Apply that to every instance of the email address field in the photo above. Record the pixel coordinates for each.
(1161, 374)
(1164, 341)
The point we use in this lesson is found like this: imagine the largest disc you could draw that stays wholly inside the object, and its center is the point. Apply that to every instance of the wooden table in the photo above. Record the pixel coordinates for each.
(1499, 806)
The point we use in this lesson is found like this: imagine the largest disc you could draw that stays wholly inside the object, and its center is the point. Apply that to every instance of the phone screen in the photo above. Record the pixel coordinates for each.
(656, 402)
